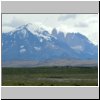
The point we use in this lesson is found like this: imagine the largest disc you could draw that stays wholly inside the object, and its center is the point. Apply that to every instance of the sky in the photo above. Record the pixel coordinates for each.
(86, 24)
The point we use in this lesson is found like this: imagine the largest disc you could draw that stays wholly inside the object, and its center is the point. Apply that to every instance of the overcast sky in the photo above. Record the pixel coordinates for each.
(86, 24)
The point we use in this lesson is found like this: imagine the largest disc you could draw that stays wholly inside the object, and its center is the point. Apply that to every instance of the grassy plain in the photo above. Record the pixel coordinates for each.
(50, 76)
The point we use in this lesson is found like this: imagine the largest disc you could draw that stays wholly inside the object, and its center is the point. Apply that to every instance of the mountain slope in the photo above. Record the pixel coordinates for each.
(82, 45)
(33, 42)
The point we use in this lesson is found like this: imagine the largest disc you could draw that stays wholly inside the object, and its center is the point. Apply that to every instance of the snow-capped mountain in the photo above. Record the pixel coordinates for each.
(34, 42)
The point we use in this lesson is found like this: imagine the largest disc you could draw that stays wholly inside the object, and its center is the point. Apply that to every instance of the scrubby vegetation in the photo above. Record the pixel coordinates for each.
(50, 76)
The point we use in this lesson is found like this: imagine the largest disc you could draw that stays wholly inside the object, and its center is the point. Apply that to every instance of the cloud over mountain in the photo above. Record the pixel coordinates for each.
(86, 24)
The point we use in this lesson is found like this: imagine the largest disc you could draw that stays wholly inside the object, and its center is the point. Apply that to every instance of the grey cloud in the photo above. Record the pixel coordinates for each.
(94, 21)
(14, 23)
(82, 25)
(66, 17)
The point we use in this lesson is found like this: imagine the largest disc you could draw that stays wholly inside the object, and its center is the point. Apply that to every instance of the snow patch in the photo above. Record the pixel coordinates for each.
(22, 50)
(22, 46)
(37, 48)
(78, 47)
(41, 40)
(35, 28)
(45, 37)
(24, 32)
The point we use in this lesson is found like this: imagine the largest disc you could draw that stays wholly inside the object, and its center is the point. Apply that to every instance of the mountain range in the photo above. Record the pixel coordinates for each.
(31, 42)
